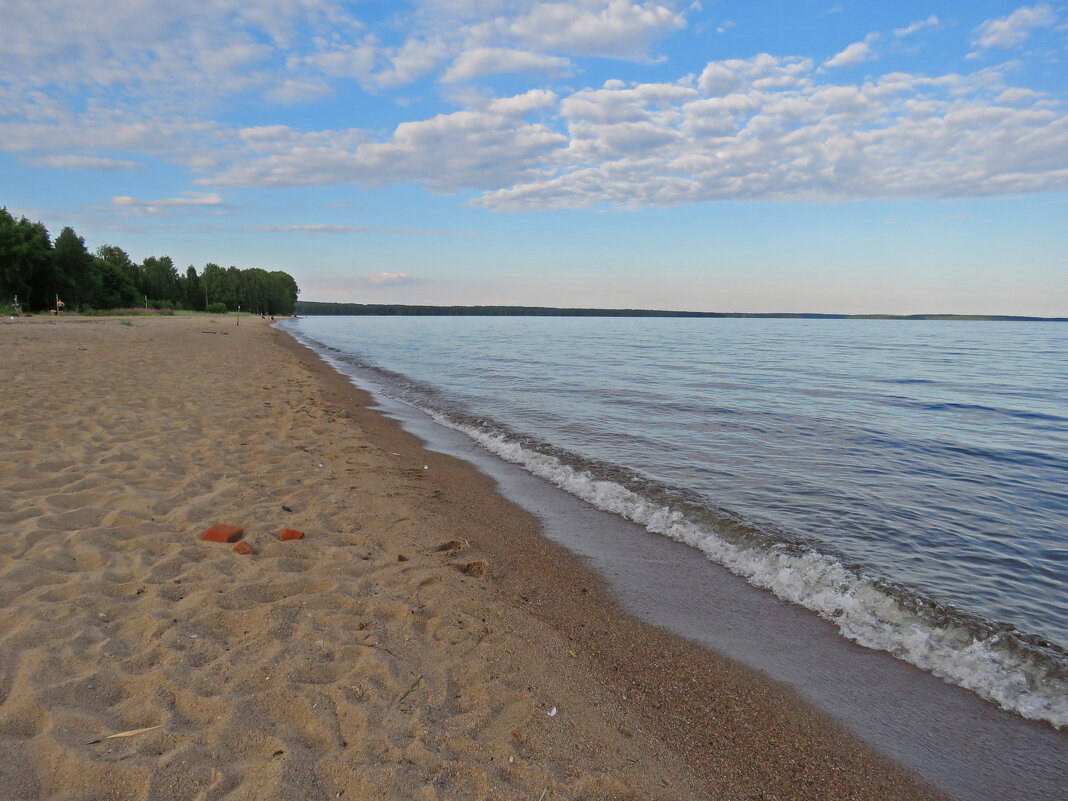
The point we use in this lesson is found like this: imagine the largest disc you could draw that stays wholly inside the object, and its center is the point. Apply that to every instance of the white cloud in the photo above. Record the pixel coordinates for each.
(390, 279)
(482, 61)
(1015, 28)
(919, 25)
(323, 228)
(291, 92)
(764, 128)
(344, 60)
(144, 80)
(854, 54)
(902, 136)
(763, 71)
(55, 132)
(1018, 96)
(491, 146)
(75, 162)
(413, 60)
(197, 50)
(616, 29)
(189, 200)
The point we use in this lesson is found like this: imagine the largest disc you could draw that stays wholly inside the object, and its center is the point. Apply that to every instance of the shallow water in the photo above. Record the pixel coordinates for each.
(904, 480)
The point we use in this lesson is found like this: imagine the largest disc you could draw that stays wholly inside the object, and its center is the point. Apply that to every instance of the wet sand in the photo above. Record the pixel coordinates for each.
(362, 661)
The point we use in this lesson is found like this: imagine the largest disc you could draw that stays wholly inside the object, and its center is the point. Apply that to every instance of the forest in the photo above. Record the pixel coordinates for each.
(36, 273)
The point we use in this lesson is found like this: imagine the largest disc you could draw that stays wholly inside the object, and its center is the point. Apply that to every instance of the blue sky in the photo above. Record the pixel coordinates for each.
(768, 155)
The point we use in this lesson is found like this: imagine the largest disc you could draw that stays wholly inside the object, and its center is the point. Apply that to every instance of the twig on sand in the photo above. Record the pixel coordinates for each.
(410, 689)
(129, 733)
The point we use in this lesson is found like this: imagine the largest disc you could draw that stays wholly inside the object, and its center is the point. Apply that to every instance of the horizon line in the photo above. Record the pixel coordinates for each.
(339, 308)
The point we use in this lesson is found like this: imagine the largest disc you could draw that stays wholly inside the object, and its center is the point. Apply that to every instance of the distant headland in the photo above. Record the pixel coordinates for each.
(314, 308)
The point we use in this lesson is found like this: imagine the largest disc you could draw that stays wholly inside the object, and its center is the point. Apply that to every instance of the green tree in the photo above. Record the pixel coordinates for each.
(129, 286)
(193, 293)
(160, 278)
(282, 293)
(75, 275)
(211, 283)
(25, 261)
(118, 278)
(256, 290)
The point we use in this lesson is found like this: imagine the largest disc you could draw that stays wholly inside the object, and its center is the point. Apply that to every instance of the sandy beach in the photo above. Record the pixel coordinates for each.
(421, 641)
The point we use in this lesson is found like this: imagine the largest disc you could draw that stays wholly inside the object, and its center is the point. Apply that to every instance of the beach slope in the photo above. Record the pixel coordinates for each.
(421, 641)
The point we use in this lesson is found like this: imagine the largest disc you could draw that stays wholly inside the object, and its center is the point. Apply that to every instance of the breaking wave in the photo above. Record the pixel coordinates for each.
(1024, 674)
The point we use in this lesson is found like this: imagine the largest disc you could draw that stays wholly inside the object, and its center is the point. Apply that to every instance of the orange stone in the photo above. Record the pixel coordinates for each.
(224, 533)
(244, 549)
(290, 534)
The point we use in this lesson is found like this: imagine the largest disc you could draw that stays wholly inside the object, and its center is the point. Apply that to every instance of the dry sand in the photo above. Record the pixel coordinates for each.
(360, 662)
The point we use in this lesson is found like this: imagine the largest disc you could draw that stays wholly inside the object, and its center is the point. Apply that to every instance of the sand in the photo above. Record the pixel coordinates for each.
(363, 661)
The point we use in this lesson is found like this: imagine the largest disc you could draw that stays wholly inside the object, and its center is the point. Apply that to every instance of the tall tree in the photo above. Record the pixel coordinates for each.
(117, 257)
(25, 256)
(282, 293)
(211, 283)
(193, 294)
(118, 277)
(160, 278)
(76, 278)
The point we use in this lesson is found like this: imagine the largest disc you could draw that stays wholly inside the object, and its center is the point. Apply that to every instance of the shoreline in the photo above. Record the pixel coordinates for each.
(460, 671)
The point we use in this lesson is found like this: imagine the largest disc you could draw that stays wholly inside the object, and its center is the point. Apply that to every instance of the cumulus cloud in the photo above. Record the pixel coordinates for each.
(414, 59)
(55, 133)
(290, 92)
(768, 127)
(763, 71)
(616, 29)
(900, 136)
(1016, 28)
(197, 50)
(764, 128)
(919, 25)
(493, 145)
(854, 54)
(483, 61)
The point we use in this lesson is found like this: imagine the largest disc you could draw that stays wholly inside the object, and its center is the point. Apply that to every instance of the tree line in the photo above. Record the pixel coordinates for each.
(313, 308)
(39, 271)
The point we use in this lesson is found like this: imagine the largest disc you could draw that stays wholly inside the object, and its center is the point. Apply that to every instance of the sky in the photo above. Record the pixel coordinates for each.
(757, 156)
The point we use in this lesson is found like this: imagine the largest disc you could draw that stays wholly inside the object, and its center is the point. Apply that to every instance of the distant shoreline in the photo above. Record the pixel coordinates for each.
(317, 308)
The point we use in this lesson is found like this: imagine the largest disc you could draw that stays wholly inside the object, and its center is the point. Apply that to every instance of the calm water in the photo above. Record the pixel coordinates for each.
(906, 480)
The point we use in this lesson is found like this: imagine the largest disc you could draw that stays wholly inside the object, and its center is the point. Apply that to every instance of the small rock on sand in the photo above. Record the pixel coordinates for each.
(224, 533)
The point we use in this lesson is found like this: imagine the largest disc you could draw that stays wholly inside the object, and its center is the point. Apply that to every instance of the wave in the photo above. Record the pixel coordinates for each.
(1024, 675)
(1021, 673)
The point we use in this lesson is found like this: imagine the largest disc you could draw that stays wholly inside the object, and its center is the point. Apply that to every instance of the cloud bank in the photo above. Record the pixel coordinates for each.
(106, 87)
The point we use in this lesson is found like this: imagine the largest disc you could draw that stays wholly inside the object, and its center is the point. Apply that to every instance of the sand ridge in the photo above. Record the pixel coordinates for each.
(360, 662)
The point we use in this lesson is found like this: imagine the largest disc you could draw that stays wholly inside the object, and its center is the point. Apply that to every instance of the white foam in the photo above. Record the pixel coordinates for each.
(853, 602)
(861, 610)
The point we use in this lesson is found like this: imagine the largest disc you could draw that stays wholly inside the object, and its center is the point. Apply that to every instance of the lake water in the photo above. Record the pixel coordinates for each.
(905, 480)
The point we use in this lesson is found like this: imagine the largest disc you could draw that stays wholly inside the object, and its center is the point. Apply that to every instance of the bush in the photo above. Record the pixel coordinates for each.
(216, 308)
